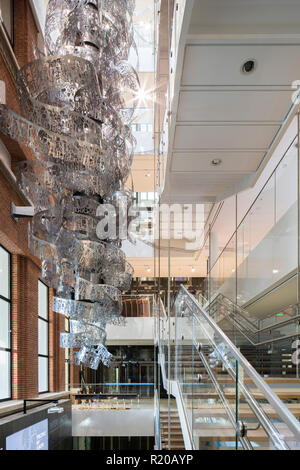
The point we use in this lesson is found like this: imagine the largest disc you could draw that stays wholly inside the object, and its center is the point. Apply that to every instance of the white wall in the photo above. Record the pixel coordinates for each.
(113, 422)
(136, 331)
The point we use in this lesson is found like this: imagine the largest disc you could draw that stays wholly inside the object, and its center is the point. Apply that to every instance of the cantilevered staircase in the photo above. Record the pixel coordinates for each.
(223, 401)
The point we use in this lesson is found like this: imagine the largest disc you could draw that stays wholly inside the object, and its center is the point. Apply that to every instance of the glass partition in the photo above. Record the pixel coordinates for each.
(204, 383)
(263, 252)
(227, 403)
(113, 396)
(222, 274)
(253, 284)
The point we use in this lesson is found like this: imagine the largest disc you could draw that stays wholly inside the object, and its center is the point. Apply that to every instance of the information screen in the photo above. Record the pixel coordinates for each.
(34, 437)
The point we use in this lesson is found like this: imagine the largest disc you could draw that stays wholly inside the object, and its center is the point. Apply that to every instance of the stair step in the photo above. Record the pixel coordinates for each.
(214, 411)
(225, 433)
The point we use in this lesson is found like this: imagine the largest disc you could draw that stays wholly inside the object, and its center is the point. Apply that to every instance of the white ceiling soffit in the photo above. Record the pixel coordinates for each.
(218, 111)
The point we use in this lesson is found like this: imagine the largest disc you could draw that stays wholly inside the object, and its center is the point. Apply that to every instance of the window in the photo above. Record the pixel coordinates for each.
(5, 326)
(43, 342)
(6, 16)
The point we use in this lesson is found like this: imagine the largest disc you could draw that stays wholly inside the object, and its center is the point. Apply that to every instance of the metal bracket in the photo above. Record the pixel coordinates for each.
(21, 212)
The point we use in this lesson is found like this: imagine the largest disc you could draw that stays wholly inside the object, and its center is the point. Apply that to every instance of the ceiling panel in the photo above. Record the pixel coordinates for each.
(231, 161)
(245, 16)
(223, 137)
(248, 105)
(198, 184)
(221, 64)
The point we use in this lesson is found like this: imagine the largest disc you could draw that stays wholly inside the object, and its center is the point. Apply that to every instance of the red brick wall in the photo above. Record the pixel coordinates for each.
(25, 32)
(13, 236)
(25, 275)
(74, 373)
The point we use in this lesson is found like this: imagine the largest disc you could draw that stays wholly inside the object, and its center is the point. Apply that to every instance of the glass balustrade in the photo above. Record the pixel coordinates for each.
(113, 396)
(227, 403)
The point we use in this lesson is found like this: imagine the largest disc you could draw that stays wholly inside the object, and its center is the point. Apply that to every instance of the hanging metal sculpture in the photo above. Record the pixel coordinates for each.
(76, 119)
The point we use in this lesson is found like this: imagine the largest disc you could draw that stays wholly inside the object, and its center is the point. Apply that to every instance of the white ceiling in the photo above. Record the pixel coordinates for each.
(218, 111)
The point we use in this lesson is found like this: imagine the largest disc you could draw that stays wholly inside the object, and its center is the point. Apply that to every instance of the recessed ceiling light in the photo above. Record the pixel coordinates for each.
(275, 271)
(216, 161)
(193, 269)
(148, 270)
(147, 175)
(249, 66)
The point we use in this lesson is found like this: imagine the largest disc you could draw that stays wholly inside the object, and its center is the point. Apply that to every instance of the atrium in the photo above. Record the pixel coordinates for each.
(149, 227)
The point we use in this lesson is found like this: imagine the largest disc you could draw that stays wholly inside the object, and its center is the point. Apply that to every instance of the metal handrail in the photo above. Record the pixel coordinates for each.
(282, 411)
(173, 383)
(237, 307)
(157, 421)
(257, 331)
(243, 313)
(257, 410)
(244, 440)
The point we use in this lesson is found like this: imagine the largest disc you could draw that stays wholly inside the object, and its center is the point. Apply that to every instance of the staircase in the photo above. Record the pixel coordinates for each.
(211, 424)
(176, 438)
(221, 412)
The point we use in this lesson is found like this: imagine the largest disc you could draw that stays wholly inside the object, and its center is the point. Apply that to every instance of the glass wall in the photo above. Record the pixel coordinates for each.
(43, 342)
(222, 275)
(263, 251)
(5, 325)
(220, 232)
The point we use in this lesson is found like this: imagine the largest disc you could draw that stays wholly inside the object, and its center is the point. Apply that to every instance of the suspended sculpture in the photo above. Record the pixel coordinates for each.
(76, 119)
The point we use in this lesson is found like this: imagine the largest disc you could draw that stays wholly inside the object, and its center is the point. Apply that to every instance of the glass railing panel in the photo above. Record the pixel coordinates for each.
(268, 343)
(272, 432)
(199, 373)
(231, 385)
(184, 362)
(113, 396)
(157, 433)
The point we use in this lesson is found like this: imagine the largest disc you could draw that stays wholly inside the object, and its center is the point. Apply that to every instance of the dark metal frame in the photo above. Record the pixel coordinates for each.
(36, 400)
(46, 321)
(9, 301)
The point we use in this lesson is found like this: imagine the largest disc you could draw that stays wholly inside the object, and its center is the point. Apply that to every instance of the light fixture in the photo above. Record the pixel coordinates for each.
(148, 269)
(193, 269)
(275, 271)
(248, 66)
(216, 161)
(148, 175)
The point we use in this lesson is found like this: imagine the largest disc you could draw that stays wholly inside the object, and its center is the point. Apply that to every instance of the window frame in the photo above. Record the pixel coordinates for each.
(10, 38)
(43, 355)
(9, 301)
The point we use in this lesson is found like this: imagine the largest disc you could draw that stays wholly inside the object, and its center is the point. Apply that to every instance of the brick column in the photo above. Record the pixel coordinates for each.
(25, 327)
(74, 373)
